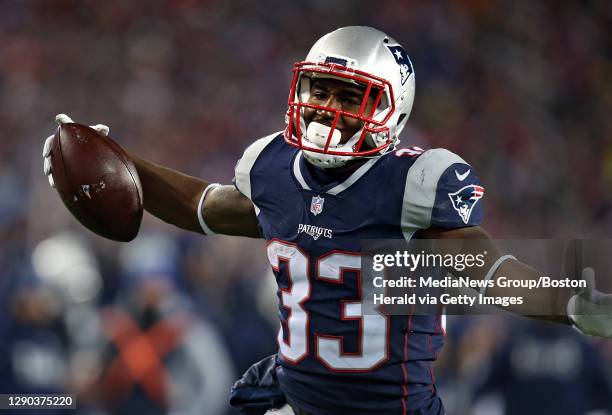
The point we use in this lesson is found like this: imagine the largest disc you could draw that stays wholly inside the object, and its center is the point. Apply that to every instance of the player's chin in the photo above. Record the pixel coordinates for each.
(346, 135)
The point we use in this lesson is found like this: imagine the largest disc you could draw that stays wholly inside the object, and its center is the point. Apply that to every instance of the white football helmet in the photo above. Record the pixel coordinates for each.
(366, 57)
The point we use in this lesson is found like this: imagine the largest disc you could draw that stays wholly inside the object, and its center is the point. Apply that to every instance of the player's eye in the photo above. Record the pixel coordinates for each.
(351, 101)
(319, 95)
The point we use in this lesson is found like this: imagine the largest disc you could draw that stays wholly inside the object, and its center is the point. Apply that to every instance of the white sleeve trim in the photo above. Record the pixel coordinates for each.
(420, 189)
(203, 225)
(493, 270)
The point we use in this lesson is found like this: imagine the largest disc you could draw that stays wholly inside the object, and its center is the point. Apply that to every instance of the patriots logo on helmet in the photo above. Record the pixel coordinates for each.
(465, 199)
(402, 59)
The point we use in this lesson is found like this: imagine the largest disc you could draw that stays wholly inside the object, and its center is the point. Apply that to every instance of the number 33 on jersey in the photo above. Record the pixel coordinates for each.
(314, 222)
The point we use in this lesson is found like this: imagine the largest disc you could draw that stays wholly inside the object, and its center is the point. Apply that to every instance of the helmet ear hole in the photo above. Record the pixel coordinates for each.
(401, 122)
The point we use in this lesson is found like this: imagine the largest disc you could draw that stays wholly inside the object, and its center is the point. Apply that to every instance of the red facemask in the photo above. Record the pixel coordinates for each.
(378, 88)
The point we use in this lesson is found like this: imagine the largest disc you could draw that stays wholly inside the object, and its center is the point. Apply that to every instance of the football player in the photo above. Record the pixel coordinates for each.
(330, 179)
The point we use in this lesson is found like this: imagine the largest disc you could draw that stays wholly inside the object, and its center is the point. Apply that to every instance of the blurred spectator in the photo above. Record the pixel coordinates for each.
(160, 357)
(34, 356)
(42, 319)
(229, 291)
(543, 368)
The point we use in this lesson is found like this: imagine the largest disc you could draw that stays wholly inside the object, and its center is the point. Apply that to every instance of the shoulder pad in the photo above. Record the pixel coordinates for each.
(441, 190)
(242, 175)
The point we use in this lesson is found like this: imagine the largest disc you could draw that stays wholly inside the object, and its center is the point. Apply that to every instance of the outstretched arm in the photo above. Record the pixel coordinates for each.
(175, 197)
(546, 304)
(588, 310)
(441, 198)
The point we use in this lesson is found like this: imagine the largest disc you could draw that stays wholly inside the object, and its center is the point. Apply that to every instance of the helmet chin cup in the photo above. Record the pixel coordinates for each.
(318, 134)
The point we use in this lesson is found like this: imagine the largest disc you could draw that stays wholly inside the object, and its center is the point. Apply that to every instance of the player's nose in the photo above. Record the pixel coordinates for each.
(332, 103)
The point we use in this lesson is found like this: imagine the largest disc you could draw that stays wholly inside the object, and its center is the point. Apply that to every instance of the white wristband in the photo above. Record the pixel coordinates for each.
(203, 225)
(493, 270)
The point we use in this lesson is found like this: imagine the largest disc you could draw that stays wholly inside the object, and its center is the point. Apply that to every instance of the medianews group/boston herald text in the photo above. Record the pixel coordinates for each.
(404, 277)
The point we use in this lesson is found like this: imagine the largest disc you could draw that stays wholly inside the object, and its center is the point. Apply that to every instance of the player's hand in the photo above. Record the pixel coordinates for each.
(61, 119)
(591, 310)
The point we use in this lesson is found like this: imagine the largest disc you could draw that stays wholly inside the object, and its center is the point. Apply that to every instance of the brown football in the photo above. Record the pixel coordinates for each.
(97, 182)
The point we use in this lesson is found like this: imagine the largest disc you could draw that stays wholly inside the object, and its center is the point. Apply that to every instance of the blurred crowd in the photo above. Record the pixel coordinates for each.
(521, 89)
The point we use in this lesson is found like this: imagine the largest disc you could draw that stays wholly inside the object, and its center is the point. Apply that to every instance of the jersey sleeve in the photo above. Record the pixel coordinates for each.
(443, 191)
(242, 172)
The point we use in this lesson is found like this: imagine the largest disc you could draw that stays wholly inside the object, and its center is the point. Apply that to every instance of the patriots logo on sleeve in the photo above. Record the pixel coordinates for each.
(401, 58)
(465, 199)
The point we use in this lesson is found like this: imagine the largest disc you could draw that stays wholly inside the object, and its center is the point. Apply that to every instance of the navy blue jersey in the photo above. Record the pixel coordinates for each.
(333, 358)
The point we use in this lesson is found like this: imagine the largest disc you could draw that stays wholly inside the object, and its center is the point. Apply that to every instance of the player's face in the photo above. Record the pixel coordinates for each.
(341, 95)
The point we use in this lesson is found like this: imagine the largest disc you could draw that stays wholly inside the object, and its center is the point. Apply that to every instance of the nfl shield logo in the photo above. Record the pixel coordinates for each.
(316, 206)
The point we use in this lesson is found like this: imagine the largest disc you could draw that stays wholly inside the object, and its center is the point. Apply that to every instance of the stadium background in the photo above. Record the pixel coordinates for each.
(520, 89)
